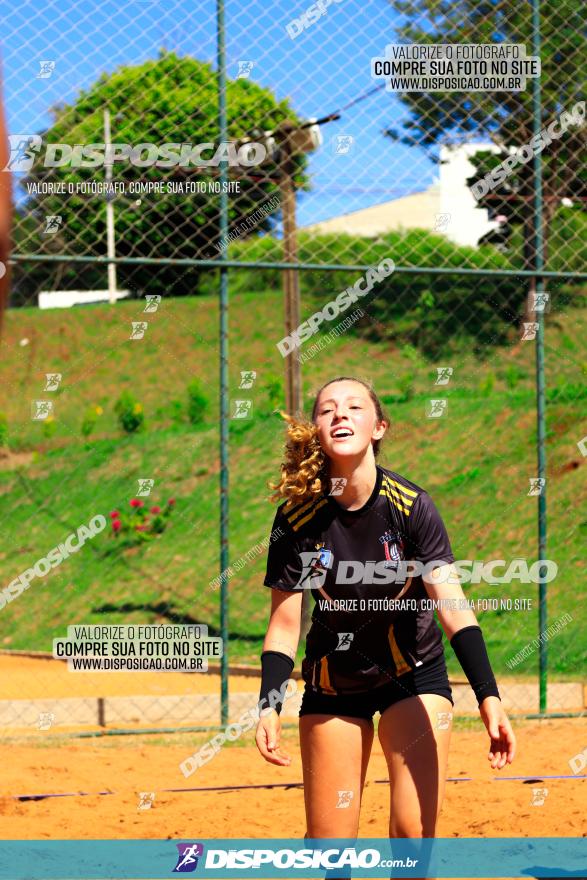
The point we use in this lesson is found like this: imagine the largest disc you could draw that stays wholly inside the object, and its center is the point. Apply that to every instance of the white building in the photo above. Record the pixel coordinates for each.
(447, 206)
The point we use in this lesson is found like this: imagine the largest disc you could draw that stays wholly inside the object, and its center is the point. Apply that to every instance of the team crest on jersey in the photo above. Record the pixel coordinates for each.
(394, 546)
(324, 557)
(316, 563)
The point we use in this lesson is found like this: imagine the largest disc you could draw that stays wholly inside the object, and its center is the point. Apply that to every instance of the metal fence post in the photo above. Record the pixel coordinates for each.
(540, 388)
(223, 231)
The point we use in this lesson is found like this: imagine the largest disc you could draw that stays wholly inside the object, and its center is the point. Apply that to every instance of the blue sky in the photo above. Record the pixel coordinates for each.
(321, 70)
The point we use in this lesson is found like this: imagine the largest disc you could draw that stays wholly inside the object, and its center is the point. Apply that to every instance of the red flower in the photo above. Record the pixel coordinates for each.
(136, 502)
(155, 509)
(116, 525)
(141, 528)
(171, 502)
(114, 515)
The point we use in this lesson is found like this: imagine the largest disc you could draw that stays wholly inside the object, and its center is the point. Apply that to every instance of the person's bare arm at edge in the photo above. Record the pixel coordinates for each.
(283, 634)
(443, 583)
(5, 212)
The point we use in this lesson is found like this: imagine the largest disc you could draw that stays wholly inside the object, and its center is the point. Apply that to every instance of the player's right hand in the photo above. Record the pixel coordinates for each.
(268, 737)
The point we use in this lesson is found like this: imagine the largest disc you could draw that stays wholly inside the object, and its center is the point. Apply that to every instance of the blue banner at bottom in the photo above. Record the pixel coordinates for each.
(555, 857)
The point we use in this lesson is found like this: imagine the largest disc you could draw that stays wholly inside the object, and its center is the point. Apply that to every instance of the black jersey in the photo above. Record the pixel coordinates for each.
(367, 623)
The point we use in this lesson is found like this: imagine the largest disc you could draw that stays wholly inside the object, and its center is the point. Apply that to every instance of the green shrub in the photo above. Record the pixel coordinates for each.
(176, 411)
(566, 392)
(89, 420)
(424, 311)
(406, 385)
(130, 413)
(197, 402)
(49, 426)
(434, 313)
(140, 525)
(512, 375)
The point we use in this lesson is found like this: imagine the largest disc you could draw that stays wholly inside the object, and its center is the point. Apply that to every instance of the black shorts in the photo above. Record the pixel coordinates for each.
(430, 678)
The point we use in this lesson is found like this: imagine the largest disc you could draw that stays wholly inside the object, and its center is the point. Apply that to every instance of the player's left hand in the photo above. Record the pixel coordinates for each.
(502, 747)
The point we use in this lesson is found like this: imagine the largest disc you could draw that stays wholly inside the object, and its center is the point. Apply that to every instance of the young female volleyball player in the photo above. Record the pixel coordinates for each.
(373, 644)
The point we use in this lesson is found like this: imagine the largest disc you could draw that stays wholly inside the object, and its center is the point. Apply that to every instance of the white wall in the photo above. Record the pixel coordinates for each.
(63, 299)
(467, 222)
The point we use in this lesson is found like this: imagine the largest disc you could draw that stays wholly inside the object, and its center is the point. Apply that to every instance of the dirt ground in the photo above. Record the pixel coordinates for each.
(127, 765)
(32, 678)
(122, 767)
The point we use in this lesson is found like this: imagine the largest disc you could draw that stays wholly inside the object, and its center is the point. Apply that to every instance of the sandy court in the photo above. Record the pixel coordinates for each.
(127, 765)
(146, 700)
(34, 678)
(49, 762)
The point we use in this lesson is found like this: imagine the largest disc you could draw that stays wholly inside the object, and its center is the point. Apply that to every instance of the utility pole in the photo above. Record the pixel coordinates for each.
(283, 144)
(109, 212)
(292, 140)
(291, 284)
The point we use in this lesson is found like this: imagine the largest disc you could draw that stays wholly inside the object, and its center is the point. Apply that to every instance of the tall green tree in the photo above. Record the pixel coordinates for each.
(505, 118)
(171, 100)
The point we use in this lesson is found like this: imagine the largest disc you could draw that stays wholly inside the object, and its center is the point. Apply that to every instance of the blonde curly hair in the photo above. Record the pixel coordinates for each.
(304, 470)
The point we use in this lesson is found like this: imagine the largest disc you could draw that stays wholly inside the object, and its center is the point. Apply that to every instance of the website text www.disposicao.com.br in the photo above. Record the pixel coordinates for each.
(331, 858)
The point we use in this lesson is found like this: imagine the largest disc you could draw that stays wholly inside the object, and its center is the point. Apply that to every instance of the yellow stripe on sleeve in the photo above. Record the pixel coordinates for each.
(299, 510)
(395, 502)
(409, 492)
(311, 514)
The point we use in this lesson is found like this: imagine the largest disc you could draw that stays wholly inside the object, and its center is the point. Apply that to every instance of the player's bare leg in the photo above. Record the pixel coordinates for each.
(415, 737)
(335, 754)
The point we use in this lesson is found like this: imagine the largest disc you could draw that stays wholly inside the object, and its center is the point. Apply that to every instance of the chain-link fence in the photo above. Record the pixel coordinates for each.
(147, 153)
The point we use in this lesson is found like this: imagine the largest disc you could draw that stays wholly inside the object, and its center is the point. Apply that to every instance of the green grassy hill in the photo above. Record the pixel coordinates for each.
(476, 462)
